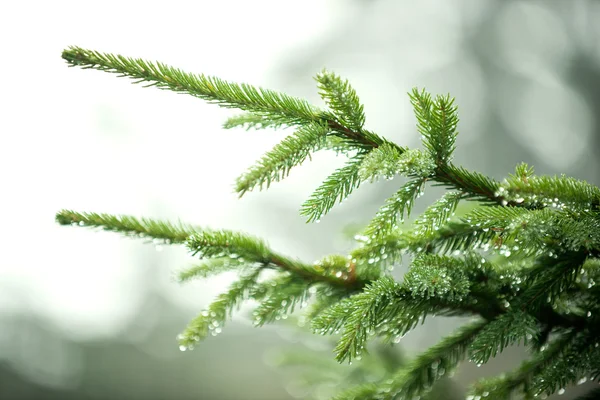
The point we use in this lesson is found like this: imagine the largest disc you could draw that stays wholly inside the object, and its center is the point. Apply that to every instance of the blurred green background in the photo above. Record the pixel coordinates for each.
(87, 315)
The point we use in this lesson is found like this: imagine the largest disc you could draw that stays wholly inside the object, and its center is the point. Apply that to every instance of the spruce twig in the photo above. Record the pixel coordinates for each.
(525, 261)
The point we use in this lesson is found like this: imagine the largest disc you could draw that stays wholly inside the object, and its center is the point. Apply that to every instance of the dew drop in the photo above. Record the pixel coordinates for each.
(182, 348)
(561, 391)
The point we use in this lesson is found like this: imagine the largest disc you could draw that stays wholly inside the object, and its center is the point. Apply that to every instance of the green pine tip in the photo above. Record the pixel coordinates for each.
(76, 55)
(66, 217)
(70, 53)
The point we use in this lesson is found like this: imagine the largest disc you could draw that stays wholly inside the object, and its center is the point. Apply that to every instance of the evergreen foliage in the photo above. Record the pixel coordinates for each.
(523, 263)
(341, 99)
(276, 164)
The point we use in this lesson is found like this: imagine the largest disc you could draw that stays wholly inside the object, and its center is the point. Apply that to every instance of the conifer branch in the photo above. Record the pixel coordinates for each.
(391, 309)
(509, 328)
(435, 363)
(394, 209)
(438, 214)
(387, 161)
(213, 319)
(368, 310)
(521, 379)
(281, 298)
(246, 248)
(210, 267)
(525, 259)
(326, 296)
(336, 187)
(433, 276)
(556, 191)
(420, 374)
(166, 232)
(278, 107)
(339, 145)
(250, 121)
(341, 99)
(580, 361)
(277, 163)
(455, 236)
(382, 161)
(550, 276)
(473, 185)
(436, 121)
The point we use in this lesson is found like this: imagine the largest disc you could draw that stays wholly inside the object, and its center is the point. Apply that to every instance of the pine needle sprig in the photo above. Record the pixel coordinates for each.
(336, 187)
(439, 277)
(387, 308)
(552, 191)
(473, 185)
(435, 363)
(436, 121)
(438, 214)
(420, 374)
(444, 122)
(357, 316)
(521, 379)
(278, 107)
(249, 249)
(576, 364)
(209, 244)
(212, 320)
(341, 99)
(380, 162)
(210, 267)
(282, 297)
(277, 163)
(250, 121)
(455, 236)
(394, 209)
(325, 296)
(163, 231)
(549, 278)
(340, 145)
(386, 251)
(512, 327)
(332, 319)
(387, 161)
